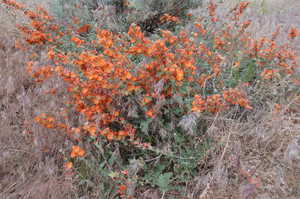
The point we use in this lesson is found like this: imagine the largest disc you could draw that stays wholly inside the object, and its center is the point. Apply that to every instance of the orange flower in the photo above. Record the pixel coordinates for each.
(91, 129)
(31, 15)
(169, 18)
(14, 4)
(203, 78)
(243, 102)
(199, 104)
(246, 24)
(146, 100)
(125, 172)
(110, 136)
(84, 29)
(123, 133)
(268, 73)
(29, 67)
(50, 119)
(277, 108)
(77, 41)
(219, 43)
(122, 189)
(189, 15)
(37, 37)
(68, 165)
(104, 132)
(19, 45)
(236, 97)
(293, 33)
(179, 74)
(239, 9)
(150, 113)
(201, 29)
(37, 25)
(215, 103)
(77, 151)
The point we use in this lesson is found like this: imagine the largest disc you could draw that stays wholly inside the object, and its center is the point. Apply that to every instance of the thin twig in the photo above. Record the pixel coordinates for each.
(205, 191)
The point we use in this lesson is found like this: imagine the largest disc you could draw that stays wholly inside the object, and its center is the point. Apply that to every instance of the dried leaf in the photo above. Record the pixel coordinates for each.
(247, 191)
(292, 151)
(189, 123)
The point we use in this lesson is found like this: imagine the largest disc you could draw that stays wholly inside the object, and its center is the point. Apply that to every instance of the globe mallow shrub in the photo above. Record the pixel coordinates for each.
(135, 90)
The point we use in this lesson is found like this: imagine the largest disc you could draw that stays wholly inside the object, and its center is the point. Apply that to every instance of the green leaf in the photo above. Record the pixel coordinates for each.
(112, 160)
(113, 174)
(137, 4)
(145, 125)
(250, 72)
(163, 181)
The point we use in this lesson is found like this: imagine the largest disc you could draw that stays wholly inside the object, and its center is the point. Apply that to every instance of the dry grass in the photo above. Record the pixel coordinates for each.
(266, 146)
(31, 163)
(31, 158)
